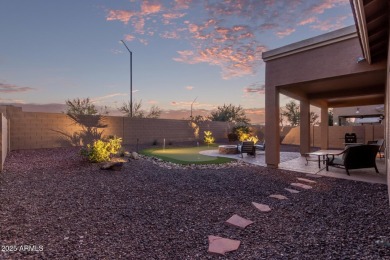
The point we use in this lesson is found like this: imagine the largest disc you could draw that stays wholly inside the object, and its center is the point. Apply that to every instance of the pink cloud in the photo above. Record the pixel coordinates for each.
(182, 4)
(326, 4)
(170, 35)
(108, 96)
(307, 21)
(285, 32)
(189, 87)
(152, 102)
(148, 7)
(330, 24)
(187, 104)
(268, 26)
(121, 15)
(228, 34)
(8, 88)
(233, 62)
(139, 25)
(129, 37)
(11, 101)
(254, 90)
(170, 16)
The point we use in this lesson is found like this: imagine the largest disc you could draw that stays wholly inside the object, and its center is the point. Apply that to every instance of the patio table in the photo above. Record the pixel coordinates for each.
(319, 154)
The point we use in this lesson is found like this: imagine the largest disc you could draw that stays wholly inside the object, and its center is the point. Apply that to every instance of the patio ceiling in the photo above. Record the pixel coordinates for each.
(366, 88)
(372, 18)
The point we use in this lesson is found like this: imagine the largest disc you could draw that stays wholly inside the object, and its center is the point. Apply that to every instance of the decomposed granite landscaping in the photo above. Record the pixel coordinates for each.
(54, 205)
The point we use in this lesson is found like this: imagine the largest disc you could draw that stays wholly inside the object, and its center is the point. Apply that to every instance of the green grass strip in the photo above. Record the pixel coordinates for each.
(186, 155)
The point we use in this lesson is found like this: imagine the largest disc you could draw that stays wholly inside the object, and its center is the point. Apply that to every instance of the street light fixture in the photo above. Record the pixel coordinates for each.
(131, 78)
(192, 104)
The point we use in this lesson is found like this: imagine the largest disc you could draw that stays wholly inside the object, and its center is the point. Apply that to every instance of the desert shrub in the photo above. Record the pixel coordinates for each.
(242, 131)
(101, 150)
(208, 137)
(254, 139)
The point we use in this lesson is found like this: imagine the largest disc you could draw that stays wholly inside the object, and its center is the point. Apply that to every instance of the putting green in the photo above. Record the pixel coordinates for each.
(186, 155)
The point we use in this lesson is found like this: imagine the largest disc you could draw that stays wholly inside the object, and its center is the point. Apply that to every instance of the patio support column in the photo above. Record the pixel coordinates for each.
(272, 131)
(324, 128)
(304, 126)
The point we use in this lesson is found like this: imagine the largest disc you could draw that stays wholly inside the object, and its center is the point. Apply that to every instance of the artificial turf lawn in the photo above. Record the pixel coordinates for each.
(188, 155)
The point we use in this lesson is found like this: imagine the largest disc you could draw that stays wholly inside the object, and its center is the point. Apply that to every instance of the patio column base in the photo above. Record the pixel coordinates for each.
(273, 166)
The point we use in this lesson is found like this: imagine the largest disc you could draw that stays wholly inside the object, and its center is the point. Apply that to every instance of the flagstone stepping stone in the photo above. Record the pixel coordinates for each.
(278, 196)
(291, 190)
(306, 180)
(301, 185)
(313, 175)
(261, 207)
(238, 221)
(219, 245)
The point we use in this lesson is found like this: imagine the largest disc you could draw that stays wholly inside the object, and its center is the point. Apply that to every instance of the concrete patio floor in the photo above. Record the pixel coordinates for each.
(293, 161)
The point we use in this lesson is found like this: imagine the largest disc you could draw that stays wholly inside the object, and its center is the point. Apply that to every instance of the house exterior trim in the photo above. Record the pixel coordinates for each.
(312, 43)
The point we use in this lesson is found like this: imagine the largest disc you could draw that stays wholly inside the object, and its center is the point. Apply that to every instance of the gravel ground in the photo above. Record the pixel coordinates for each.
(65, 208)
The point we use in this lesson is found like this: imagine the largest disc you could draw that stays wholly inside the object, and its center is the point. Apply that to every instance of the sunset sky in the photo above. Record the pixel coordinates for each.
(55, 50)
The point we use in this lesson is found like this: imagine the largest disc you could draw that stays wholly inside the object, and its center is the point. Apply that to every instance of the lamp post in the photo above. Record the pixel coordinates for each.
(131, 78)
(191, 106)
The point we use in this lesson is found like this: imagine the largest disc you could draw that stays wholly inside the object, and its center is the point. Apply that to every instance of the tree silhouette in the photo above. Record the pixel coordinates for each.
(229, 113)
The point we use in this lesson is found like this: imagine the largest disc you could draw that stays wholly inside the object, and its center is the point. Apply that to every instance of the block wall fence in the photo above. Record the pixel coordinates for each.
(364, 133)
(34, 130)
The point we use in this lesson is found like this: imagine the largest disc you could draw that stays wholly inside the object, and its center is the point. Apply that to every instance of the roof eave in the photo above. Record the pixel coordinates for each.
(361, 27)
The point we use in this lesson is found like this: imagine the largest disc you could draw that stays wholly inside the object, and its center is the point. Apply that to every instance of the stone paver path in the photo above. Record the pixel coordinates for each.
(301, 185)
(278, 196)
(219, 245)
(261, 207)
(238, 221)
(291, 190)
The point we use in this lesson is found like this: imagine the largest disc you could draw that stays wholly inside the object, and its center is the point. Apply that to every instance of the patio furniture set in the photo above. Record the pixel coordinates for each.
(247, 147)
(354, 156)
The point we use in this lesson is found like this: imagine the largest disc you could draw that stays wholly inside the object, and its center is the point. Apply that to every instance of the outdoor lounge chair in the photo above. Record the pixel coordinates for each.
(260, 146)
(355, 157)
(380, 143)
(247, 147)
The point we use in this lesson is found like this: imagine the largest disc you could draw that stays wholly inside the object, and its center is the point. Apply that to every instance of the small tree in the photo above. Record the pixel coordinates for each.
(194, 124)
(281, 117)
(79, 106)
(229, 113)
(313, 118)
(291, 112)
(330, 117)
(138, 112)
(208, 138)
(154, 112)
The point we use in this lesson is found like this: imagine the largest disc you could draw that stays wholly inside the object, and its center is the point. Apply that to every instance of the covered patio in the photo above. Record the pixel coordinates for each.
(343, 68)
(293, 161)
